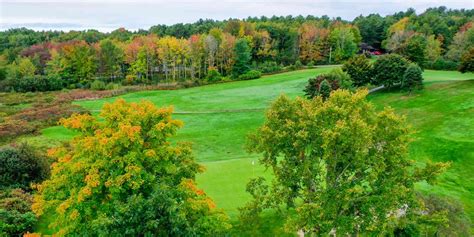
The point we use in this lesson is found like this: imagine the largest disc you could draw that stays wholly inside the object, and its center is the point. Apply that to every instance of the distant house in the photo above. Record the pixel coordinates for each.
(365, 48)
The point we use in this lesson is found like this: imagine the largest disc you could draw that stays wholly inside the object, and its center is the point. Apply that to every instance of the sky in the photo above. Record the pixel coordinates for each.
(108, 15)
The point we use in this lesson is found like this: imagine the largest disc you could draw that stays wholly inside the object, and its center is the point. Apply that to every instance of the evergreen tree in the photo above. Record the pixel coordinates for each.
(412, 78)
(324, 89)
(242, 58)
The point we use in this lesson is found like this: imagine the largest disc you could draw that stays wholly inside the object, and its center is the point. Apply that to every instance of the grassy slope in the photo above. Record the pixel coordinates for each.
(439, 114)
(442, 117)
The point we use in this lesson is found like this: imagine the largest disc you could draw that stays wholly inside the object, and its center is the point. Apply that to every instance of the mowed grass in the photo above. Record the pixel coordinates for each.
(218, 118)
(442, 117)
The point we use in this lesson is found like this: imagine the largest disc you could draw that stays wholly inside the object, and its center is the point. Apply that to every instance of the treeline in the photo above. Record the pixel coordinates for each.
(210, 50)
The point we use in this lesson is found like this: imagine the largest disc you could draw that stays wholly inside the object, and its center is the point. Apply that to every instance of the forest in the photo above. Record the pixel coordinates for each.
(210, 51)
(264, 126)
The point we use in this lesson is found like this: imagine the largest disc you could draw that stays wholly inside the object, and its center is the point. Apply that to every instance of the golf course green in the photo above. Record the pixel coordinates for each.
(218, 118)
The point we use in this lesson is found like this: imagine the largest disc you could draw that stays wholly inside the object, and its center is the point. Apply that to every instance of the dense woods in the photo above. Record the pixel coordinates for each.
(209, 50)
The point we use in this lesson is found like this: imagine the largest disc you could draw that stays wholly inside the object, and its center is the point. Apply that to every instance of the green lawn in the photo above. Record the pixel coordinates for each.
(218, 117)
(443, 118)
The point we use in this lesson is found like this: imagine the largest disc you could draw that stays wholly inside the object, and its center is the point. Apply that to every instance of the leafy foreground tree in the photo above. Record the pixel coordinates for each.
(121, 176)
(339, 164)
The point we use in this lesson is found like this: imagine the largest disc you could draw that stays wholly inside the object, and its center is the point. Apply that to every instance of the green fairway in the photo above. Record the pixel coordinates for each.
(218, 117)
(442, 117)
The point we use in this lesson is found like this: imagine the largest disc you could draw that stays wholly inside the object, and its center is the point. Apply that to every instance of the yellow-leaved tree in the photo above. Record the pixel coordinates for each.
(121, 176)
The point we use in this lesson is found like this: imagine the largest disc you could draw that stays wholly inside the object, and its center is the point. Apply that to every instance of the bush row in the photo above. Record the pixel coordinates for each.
(33, 84)
(442, 64)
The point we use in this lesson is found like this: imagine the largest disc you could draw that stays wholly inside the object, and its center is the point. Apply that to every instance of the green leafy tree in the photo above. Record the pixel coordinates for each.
(433, 49)
(3, 68)
(343, 43)
(467, 62)
(340, 164)
(389, 69)
(463, 41)
(79, 62)
(371, 29)
(110, 58)
(412, 78)
(242, 59)
(139, 66)
(360, 70)
(415, 49)
(22, 68)
(122, 176)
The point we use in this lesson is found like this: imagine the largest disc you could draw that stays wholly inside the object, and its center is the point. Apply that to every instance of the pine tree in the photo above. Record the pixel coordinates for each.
(324, 89)
(412, 78)
(242, 58)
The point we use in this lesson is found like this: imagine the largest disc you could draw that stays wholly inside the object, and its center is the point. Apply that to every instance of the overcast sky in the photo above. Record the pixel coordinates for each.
(107, 15)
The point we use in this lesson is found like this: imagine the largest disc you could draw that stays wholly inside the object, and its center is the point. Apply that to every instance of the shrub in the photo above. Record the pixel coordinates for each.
(412, 78)
(22, 165)
(457, 221)
(252, 74)
(360, 70)
(190, 83)
(298, 64)
(467, 62)
(389, 69)
(335, 79)
(130, 79)
(36, 83)
(16, 217)
(49, 114)
(11, 128)
(112, 86)
(269, 67)
(442, 64)
(343, 79)
(98, 85)
(213, 75)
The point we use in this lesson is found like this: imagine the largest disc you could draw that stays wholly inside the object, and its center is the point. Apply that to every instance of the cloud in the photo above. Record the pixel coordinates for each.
(107, 15)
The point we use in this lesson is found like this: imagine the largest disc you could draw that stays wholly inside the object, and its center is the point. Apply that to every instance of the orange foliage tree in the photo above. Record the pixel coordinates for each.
(121, 175)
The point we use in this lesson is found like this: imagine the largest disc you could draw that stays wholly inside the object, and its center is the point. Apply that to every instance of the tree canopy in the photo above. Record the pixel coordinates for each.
(436, 38)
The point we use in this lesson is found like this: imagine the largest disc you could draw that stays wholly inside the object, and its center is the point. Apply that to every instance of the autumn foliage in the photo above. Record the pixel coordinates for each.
(122, 175)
